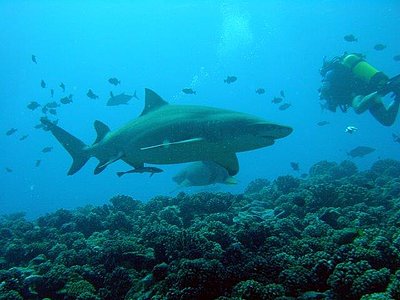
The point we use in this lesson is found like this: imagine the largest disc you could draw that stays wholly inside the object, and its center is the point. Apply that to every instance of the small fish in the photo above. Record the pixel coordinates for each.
(379, 47)
(350, 38)
(11, 131)
(282, 93)
(277, 100)
(295, 166)
(260, 91)
(43, 84)
(230, 79)
(150, 170)
(91, 95)
(37, 164)
(62, 86)
(284, 106)
(360, 151)
(53, 111)
(120, 99)
(44, 109)
(189, 91)
(303, 175)
(66, 100)
(33, 105)
(114, 81)
(396, 57)
(323, 123)
(52, 93)
(47, 149)
(33, 57)
(23, 137)
(351, 129)
(396, 138)
(52, 104)
(8, 170)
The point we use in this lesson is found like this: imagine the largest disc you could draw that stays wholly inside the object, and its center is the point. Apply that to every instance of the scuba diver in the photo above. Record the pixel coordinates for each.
(349, 81)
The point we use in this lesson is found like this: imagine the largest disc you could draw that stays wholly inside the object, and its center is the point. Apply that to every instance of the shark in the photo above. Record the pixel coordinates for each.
(171, 134)
(120, 99)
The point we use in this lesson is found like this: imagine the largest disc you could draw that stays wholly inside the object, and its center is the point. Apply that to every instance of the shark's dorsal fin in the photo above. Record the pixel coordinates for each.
(101, 129)
(152, 102)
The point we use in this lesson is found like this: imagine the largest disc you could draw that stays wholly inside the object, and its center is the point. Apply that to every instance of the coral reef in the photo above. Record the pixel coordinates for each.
(333, 235)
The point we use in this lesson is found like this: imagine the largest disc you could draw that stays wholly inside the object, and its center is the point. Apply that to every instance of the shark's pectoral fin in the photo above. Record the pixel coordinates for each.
(103, 164)
(228, 161)
(168, 144)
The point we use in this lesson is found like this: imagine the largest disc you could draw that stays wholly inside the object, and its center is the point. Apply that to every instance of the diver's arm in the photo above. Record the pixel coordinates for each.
(362, 103)
(386, 116)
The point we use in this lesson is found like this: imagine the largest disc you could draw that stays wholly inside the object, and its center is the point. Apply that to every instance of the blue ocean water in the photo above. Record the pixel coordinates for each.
(168, 46)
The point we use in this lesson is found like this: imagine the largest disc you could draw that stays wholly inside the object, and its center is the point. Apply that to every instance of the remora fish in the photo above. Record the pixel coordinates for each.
(151, 170)
(171, 134)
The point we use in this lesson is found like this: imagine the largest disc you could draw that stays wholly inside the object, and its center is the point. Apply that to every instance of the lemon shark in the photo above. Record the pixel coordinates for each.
(172, 134)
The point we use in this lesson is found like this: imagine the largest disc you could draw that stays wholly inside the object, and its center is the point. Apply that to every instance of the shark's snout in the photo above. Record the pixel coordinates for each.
(281, 131)
(274, 131)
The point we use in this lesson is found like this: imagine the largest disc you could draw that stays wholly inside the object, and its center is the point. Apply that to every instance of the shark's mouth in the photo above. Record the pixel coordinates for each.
(272, 131)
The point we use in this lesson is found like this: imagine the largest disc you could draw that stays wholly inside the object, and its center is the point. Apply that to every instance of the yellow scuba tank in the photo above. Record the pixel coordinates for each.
(364, 71)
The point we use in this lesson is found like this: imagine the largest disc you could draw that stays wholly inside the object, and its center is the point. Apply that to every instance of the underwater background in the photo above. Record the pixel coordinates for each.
(329, 230)
(168, 46)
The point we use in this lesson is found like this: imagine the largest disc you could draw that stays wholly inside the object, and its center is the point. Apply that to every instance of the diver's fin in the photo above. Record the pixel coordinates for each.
(103, 164)
(101, 129)
(152, 102)
(75, 147)
(169, 144)
(228, 161)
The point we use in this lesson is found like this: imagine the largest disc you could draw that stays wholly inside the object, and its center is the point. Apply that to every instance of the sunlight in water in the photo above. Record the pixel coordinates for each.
(235, 33)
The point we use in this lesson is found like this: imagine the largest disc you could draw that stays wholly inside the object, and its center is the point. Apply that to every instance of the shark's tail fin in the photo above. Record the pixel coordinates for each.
(75, 147)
